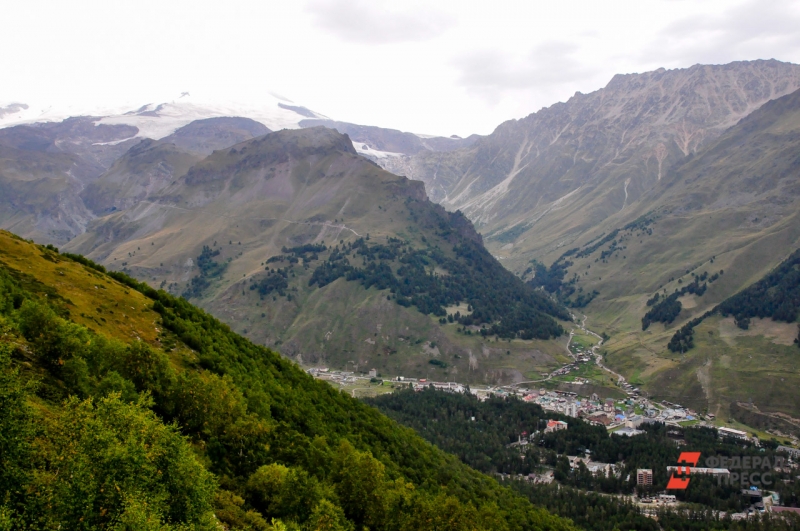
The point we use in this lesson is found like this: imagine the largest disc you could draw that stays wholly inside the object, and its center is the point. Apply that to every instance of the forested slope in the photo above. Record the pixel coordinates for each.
(480, 434)
(123, 407)
(777, 296)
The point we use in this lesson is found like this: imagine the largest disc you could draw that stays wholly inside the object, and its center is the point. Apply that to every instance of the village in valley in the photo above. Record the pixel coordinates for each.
(622, 416)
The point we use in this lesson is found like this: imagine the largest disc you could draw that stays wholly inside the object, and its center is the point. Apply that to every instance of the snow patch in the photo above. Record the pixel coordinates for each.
(157, 120)
(363, 149)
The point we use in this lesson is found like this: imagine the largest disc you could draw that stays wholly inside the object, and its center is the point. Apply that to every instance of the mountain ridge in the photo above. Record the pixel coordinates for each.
(595, 154)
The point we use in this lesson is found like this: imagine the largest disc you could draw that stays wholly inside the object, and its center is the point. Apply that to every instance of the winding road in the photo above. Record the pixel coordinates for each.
(598, 358)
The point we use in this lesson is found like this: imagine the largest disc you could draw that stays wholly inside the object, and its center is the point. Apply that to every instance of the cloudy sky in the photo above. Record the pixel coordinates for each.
(425, 66)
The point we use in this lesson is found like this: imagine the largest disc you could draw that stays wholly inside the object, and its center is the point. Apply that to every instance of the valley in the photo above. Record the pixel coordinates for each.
(708, 186)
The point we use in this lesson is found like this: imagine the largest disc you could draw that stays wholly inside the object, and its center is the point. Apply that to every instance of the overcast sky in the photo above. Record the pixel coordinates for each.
(432, 67)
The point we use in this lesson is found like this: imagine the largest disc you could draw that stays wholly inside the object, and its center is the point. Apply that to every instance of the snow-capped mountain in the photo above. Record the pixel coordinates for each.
(160, 119)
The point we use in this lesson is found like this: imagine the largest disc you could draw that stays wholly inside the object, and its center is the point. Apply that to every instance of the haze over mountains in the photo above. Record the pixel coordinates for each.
(628, 190)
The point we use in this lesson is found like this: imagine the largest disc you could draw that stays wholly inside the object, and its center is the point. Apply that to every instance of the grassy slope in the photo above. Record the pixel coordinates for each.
(93, 299)
(303, 406)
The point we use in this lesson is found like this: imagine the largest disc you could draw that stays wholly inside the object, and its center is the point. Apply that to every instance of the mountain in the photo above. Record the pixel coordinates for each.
(124, 407)
(536, 185)
(53, 155)
(712, 227)
(162, 118)
(43, 168)
(210, 134)
(50, 155)
(387, 145)
(58, 175)
(301, 244)
(150, 165)
(648, 184)
(654, 181)
(143, 170)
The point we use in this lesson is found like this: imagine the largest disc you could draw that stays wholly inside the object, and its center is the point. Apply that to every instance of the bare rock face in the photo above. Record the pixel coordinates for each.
(566, 168)
(57, 176)
(44, 167)
(392, 140)
(208, 135)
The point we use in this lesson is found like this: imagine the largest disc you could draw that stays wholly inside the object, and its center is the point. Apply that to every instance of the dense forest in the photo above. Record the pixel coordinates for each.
(432, 280)
(446, 420)
(777, 295)
(664, 309)
(200, 427)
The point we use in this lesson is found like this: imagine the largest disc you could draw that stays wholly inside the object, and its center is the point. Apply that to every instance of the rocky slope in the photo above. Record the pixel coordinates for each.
(57, 176)
(395, 143)
(44, 167)
(642, 187)
(537, 184)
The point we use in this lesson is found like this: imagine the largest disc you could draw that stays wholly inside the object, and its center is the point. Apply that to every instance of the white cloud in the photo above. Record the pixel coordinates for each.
(491, 73)
(373, 22)
(755, 29)
(429, 66)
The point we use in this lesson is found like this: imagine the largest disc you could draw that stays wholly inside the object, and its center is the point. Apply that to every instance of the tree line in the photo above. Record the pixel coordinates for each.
(500, 303)
(776, 295)
(665, 309)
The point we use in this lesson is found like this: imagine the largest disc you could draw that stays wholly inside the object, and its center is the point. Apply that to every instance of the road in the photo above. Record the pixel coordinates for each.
(598, 358)
(593, 350)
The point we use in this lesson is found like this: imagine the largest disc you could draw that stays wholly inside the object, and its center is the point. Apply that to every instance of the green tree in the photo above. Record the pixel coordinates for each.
(53, 339)
(16, 431)
(360, 482)
(327, 516)
(109, 462)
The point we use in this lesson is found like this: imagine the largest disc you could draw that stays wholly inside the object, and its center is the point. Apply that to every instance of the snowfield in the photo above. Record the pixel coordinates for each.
(157, 120)
(364, 149)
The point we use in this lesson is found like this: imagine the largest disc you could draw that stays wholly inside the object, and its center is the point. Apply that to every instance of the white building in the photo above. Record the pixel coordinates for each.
(730, 432)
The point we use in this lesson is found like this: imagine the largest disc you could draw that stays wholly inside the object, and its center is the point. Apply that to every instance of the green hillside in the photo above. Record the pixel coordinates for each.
(304, 246)
(123, 407)
(750, 342)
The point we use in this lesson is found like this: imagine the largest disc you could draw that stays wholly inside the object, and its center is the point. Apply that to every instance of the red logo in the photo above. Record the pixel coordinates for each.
(688, 459)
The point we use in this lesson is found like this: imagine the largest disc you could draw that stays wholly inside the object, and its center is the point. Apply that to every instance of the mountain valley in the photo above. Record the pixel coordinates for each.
(301, 240)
